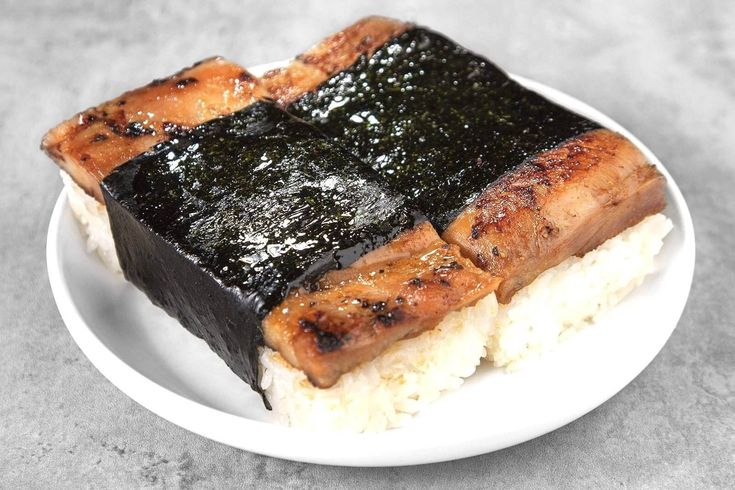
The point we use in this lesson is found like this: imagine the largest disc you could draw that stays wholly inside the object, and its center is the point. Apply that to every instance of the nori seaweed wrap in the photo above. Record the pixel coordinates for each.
(438, 122)
(217, 225)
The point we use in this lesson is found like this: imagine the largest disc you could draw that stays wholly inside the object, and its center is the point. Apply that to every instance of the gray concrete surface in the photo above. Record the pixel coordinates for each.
(663, 69)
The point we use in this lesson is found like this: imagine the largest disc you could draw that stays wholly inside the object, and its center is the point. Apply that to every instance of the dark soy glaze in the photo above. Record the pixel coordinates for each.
(218, 224)
(438, 122)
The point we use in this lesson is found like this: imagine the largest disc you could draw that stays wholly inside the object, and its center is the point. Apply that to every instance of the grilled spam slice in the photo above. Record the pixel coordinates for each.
(91, 144)
(351, 315)
(445, 127)
(559, 203)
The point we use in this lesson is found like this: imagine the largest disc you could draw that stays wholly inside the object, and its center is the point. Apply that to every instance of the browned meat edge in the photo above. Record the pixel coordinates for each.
(560, 203)
(91, 144)
(332, 55)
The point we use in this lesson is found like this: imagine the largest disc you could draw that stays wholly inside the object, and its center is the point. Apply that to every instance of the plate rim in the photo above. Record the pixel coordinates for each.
(296, 444)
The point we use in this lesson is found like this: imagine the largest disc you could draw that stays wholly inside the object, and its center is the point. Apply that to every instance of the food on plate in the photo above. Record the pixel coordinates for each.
(338, 230)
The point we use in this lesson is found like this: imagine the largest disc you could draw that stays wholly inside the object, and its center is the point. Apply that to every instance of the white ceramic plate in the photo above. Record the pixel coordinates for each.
(152, 359)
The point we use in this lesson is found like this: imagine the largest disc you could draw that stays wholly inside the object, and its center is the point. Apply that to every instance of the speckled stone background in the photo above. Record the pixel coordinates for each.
(665, 70)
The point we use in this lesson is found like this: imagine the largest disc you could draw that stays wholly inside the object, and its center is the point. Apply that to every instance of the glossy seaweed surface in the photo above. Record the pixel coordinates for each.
(217, 225)
(438, 122)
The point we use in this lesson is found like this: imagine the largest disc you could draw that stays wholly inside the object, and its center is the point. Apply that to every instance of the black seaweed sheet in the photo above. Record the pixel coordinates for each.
(438, 122)
(217, 225)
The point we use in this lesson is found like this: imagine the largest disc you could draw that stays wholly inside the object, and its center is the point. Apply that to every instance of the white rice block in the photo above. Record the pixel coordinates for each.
(570, 295)
(92, 217)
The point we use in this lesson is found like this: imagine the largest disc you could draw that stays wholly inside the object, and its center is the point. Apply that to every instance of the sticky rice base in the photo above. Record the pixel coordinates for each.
(571, 295)
(387, 391)
(92, 217)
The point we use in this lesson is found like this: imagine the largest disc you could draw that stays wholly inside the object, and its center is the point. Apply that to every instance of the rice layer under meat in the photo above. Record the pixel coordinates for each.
(573, 293)
(92, 216)
(383, 393)
(388, 390)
